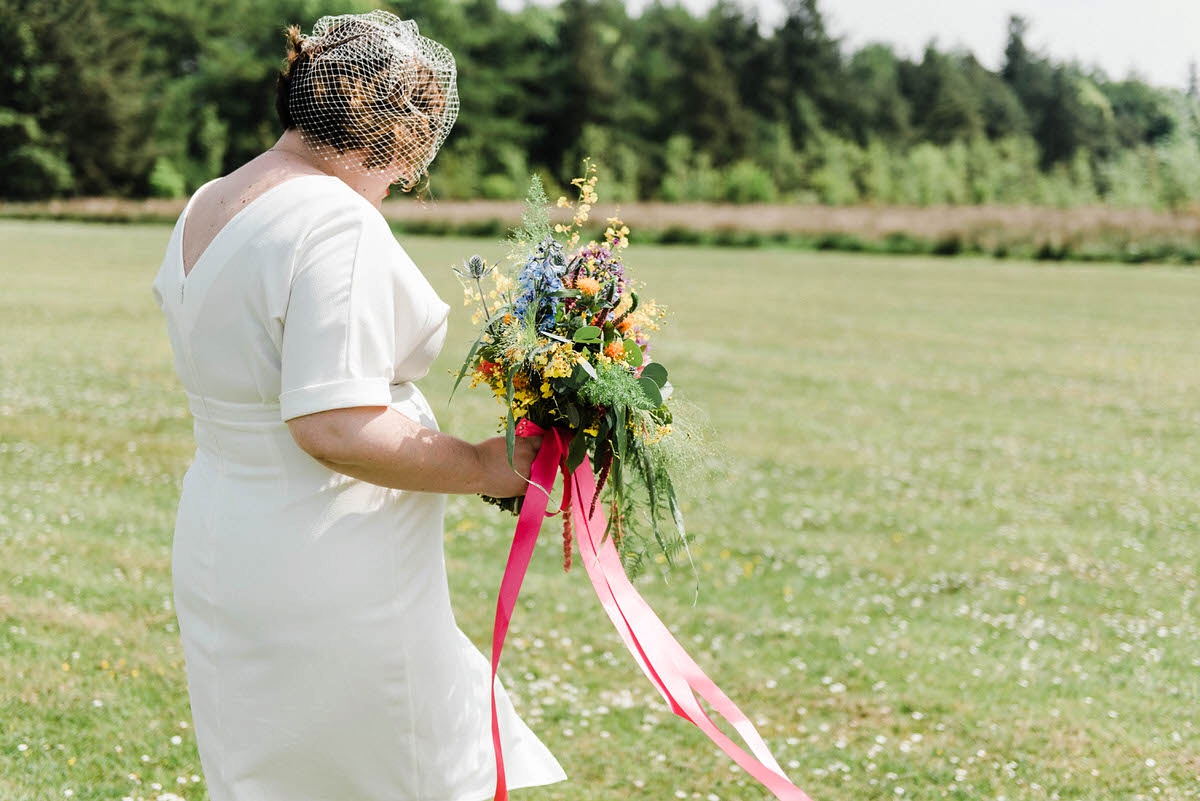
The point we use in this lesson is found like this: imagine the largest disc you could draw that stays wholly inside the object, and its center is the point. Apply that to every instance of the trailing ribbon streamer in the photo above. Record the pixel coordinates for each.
(670, 669)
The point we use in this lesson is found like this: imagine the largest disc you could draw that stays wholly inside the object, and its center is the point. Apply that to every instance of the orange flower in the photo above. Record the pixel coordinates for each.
(615, 351)
(588, 286)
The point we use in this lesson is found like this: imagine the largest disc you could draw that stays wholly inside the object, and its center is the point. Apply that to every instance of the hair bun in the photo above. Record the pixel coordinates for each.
(370, 93)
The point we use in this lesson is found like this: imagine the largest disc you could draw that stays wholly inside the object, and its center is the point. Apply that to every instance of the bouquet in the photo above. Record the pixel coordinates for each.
(565, 343)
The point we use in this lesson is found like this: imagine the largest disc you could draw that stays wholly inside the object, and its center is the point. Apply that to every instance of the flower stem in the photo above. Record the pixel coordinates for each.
(487, 315)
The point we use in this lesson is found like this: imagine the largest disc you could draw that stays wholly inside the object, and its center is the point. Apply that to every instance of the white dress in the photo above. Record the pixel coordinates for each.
(323, 659)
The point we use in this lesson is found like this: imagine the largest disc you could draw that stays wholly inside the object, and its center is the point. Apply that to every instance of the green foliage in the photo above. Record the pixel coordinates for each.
(613, 387)
(30, 167)
(166, 180)
(933, 177)
(71, 70)
(834, 165)
(746, 182)
(690, 176)
(1180, 161)
(670, 104)
(535, 220)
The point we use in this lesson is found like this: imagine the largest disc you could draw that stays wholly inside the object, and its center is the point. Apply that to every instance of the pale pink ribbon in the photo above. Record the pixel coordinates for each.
(670, 669)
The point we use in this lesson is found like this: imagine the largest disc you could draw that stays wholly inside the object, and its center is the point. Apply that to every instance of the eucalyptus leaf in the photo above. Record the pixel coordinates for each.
(656, 372)
(633, 353)
(651, 391)
(587, 368)
(587, 334)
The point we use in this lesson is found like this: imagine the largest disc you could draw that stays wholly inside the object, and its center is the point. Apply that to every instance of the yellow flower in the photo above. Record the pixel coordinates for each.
(559, 367)
(662, 431)
(593, 431)
(563, 202)
(546, 390)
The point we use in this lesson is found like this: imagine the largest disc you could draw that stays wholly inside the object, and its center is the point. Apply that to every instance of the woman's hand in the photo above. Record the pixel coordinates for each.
(502, 480)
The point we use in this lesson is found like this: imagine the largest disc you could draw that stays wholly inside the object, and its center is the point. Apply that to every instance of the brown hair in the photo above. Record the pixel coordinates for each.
(354, 125)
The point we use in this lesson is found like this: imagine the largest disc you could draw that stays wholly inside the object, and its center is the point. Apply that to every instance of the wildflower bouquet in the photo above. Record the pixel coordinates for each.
(565, 344)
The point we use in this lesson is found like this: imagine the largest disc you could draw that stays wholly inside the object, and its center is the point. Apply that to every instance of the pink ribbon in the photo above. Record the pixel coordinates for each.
(670, 669)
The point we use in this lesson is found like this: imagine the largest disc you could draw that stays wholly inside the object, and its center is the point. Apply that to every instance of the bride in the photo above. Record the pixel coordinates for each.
(323, 659)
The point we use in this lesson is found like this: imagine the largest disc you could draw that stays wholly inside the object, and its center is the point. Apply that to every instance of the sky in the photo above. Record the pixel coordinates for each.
(1156, 39)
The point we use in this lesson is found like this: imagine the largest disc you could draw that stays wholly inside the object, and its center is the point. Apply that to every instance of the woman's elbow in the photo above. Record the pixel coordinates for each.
(333, 436)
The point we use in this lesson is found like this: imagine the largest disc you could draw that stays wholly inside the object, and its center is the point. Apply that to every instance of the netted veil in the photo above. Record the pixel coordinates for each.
(370, 93)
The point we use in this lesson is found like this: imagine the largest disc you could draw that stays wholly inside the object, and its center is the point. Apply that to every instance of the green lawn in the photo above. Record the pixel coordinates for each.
(955, 555)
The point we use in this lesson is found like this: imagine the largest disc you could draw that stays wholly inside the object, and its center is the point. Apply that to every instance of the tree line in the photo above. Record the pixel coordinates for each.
(154, 97)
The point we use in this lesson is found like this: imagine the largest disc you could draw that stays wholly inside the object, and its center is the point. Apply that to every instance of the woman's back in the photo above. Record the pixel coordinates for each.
(225, 314)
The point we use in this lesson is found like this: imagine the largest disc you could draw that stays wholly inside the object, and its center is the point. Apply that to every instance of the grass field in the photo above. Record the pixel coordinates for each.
(955, 554)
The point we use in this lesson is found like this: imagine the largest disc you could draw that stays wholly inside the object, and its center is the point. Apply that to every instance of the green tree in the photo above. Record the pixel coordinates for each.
(810, 63)
(1001, 109)
(877, 106)
(73, 76)
(942, 98)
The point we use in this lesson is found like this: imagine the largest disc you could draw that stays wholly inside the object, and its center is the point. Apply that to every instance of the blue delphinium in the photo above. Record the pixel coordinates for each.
(541, 276)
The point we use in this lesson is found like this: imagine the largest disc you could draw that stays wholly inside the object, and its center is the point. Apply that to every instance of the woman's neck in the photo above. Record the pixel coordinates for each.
(291, 146)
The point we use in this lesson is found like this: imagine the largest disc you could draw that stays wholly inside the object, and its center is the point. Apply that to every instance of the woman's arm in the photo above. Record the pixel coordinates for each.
(382, 446)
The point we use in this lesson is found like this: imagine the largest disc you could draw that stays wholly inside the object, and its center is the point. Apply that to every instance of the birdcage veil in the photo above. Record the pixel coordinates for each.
(371, 94)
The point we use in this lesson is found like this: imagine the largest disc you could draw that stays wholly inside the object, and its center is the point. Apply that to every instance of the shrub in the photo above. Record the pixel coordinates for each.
(678, 235)
(498, 187)
(29, 169)
(746, 182)
(166, 180)
(835, 163)
(690, 176)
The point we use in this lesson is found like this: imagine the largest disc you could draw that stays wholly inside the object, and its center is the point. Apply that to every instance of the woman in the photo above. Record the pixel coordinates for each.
(323, 658)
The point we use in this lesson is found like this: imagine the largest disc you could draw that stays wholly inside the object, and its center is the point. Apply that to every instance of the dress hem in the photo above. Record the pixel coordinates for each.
(522, 785)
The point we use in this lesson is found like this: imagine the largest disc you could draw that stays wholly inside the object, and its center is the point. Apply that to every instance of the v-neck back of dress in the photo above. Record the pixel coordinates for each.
(230, 224)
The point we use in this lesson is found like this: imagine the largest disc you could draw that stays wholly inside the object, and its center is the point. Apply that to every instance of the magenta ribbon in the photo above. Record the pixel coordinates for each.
(670, 669)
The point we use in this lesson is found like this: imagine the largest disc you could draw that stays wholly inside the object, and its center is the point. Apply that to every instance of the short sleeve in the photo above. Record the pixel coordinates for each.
(358, 306)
